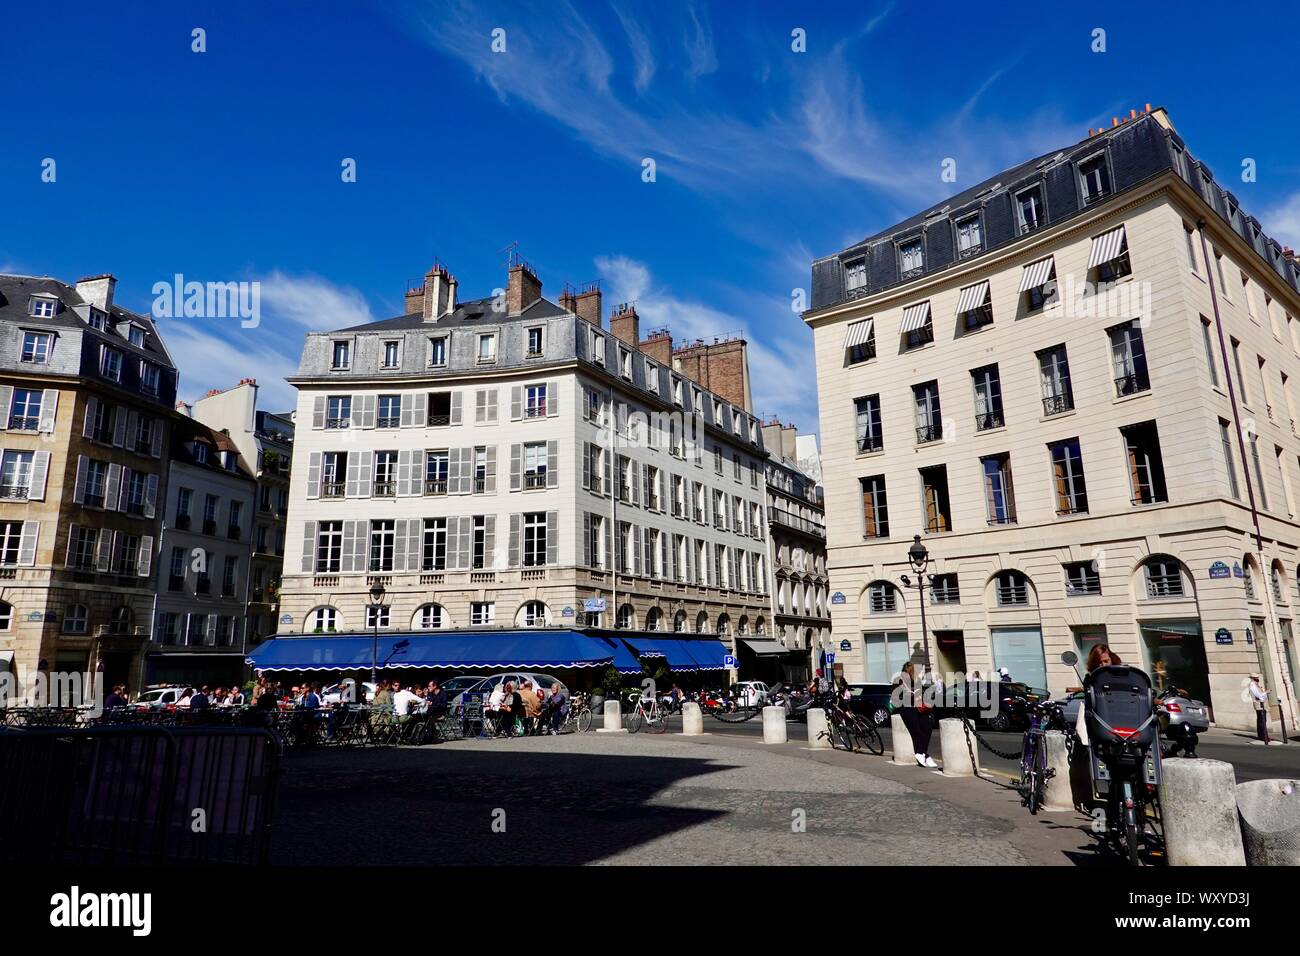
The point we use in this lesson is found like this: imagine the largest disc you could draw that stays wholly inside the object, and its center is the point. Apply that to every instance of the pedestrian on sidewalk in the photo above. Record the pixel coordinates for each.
(1259, 696)
(916, 715)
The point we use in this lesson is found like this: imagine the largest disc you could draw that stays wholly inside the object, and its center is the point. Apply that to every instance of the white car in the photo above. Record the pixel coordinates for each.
(334, 693)
(157, 697)
(752, 693)
(489, 684)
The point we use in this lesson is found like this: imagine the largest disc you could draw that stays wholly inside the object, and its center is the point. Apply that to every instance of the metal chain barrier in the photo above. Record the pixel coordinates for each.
(970, 729)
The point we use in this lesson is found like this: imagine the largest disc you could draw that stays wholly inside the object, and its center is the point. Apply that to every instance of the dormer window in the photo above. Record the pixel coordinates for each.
(150, 378)
(911, 259)
(625, 363)
(597, 348)
(535, 342)
(200, 453)
(968, 236)
(1094, 179)
(42, 306)
(855, 274)
(135, 335)
(438, 352)
(391, 354)
(487, 348)
(36, 347)
(341, 356)
(1030, 212)
(110, 363)
(98, 319)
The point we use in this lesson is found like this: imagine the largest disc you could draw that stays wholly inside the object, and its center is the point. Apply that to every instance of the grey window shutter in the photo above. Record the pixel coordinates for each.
(404, 473)
(407, 406)
(606, 488)
(366, 475)
(490, 470)
(490, 541)
(368, 406)
(516, 403)
(144, 558)
(634, 467)
(349, 546)
(399, 539)
(609, 544)
(79, 489)
(492, 402)
(88, 425)
(516, 466)
(634, 558)
(690, 560)
(419, 416)
(6, 405)
(40, 473)
(456, 399)
(27, 543)
(552, 538)
(119, 426)
(465, 546)
(131, 418)
(313, 475)
(358, 411)
(150, 495)
(104, 551)
(552, 399)
(552, 464)
(455, 471)
(361, 544)
(308, 547)
(586, 464)
(647, 552)
(72, 538)
(353, 486)
(49, 409)
(414, 545)
(515, 520)
(318, 412)
(112, 487)
(156, 450)
(480, 406)
(586, 539)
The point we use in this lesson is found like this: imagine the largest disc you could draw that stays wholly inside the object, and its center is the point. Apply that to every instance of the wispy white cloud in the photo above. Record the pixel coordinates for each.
(642, 53)
(212, 356)
(780, 351)
(701, 57)
(312, 302)
(1282, 221)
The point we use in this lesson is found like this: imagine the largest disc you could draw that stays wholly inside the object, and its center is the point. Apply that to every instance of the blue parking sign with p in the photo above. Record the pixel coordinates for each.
(729, 661)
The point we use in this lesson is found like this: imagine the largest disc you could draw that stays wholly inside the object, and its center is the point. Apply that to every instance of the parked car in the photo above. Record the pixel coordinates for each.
(993, 704)
(158, 697)
(333, 694)
(486, 685)
(871, 701)
(752, 693)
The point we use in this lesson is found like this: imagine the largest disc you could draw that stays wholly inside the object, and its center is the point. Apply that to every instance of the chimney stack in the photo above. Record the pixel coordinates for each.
(98, 290)
(438, 291)
(415, 301)
(624, 324)
(523, 288)
(659, 346)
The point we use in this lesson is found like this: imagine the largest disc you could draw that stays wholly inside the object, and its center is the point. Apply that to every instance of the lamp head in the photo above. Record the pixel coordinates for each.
(918, 555)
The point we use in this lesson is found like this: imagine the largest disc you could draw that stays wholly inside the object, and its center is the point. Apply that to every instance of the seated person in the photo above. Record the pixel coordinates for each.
(435, 699)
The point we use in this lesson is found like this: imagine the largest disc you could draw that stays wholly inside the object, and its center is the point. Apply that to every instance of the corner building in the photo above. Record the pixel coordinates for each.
(1076, 381)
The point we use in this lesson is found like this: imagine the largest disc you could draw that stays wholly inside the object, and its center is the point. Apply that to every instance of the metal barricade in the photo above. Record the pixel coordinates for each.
(114, 795)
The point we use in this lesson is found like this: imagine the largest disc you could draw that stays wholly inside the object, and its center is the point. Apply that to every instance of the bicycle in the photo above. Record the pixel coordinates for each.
(578, 718)
(848, 730)
(1034, 770)
(654, 716)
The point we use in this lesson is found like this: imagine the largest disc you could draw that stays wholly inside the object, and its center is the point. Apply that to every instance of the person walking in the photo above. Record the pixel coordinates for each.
(916, 716)
(1259, 697)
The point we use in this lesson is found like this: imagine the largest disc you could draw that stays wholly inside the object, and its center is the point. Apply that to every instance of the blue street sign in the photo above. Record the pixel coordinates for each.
(1220, 570)
(1236, 571)
(838, 598)
(845, 646)
(1223, 636)
(729, 661)
(830, 658)
(286, 619)
(567, 612)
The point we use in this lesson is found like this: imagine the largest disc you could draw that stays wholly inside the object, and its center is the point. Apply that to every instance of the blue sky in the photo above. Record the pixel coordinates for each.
(225, 165)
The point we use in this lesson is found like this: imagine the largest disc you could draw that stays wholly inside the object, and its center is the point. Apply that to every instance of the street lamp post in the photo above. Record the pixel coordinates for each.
(376, 601)
(919, 558)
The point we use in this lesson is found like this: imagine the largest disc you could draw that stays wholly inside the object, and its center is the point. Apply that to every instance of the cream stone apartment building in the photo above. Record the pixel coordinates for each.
(86, 393)
(509, 462)
(1075, 381)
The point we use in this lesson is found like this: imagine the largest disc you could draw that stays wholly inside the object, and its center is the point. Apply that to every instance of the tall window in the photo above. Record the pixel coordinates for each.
(988, 398)
(999, 497)
(1030, 212)
(934, 492)
(434, 545)
(390, 411)
(875, 508)
(1225, 440)
(478, 543)
(329, 547)
(391, 354)
(381, 545)
(1259, 471)
(338, 411)
(487, 348)
(1241, 379)
(25, 412)
(438, 351)
(1054, 374)
(1164, 577)
(341, 356)
(16, 475)
(435, 472)
(1067, 477)
(1094, 179)
(929, 418)
(855, 275)
(535, 401)
(1129, 359)
(36, 347)
(535, 464)
(1209, 352)
(1145, 467)
(535, 341)
(534, 554)
(968, 236)
(911, 259)
(385, 483)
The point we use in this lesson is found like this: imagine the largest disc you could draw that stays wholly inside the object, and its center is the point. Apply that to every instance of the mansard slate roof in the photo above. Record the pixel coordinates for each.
(474, 312)
(187, 432)
(1137, 150)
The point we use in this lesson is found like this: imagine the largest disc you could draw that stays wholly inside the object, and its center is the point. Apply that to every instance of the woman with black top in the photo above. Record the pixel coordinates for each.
(915, 714)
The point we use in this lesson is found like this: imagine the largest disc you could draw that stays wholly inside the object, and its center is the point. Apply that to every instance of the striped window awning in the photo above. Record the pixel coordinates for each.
(1107, 247)
(859, 333)
(915, 317)
(973, 297)
(1037, 273)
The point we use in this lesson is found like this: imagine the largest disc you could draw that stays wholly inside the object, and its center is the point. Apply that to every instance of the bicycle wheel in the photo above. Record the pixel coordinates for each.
(869, 738)
(846, 736)
(634, 721)
(660, 724)
(584, 720)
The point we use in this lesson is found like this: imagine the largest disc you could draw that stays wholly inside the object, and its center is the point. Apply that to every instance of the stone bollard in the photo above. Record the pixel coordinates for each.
(692, 720)
(774, 725)
(904, 755)
(613, 719)
(955, 752)
(818, 730)
(1270, 821)
(1058, 794)
(1198, 799)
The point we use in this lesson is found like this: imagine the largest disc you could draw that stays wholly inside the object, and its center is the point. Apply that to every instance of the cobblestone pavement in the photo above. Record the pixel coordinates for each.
(596, 798)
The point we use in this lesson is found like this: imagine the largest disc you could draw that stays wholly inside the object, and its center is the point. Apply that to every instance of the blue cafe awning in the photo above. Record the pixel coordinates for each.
(709, 654)
(624, 660)
(462, 649)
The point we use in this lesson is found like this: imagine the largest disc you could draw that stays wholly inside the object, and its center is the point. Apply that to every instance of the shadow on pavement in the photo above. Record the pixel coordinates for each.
(421, 806)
